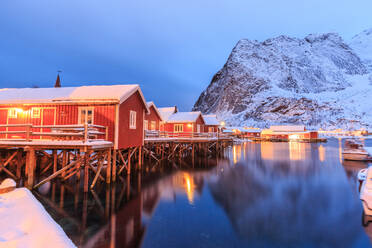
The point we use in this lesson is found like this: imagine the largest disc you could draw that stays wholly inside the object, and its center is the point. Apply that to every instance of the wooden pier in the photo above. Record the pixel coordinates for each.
(40, 154)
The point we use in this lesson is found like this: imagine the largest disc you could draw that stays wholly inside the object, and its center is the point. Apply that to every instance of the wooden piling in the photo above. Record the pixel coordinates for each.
(30, 164)
(86, 171)
(113, 170)
(108, 166)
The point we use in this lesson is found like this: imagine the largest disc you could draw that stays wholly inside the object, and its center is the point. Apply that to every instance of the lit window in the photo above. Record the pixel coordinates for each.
(153, 125)
(145, 125)
(12, 113)
(132, 119)
(86, 115)
(35, 113)
(211, 129)
(178, 128)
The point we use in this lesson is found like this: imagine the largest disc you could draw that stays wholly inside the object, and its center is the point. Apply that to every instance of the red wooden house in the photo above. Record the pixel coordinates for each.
(121, 108)
(211, 124)
(185, 123)
(165, 113)
(152, 119)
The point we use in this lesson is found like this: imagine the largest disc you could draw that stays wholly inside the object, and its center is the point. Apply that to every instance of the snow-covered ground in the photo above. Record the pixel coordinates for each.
(25, 223)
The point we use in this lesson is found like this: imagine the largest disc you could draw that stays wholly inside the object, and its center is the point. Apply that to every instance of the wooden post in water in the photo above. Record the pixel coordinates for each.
(113, 171)
(108, 166)
(55, 161)
(19, 163)
(64, 162)
(140, 157)
(86, 171)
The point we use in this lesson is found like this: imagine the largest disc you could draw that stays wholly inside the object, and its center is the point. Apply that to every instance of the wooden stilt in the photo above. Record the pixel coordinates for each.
(30, 164)
(129, 160)
(113, 171)
(108, 167)
(86, 171)
(19, 163)
(140, 157)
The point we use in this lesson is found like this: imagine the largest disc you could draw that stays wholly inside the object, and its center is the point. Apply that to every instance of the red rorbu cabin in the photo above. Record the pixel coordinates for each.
(153, 118)
(120, 108)
(211, 124)
(185, 123)
(165, 113)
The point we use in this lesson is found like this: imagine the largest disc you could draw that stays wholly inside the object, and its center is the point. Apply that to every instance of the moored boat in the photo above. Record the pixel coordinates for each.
(355, 151)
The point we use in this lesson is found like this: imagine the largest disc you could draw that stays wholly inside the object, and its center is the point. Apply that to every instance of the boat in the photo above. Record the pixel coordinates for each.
(362, 174)
(355, 151)
(366, 192)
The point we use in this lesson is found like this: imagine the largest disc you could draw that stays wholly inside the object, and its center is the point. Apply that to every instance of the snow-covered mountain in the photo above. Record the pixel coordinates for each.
(362, 45)
(319, 81)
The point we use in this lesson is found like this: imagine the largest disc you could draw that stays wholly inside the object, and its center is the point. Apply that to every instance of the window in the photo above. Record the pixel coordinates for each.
(132, 119)
(153, 125)
(86, 115)
(198, 128)
(211, 129)
(12, 113)
(178, 128)
(35, 113)
(146, 125)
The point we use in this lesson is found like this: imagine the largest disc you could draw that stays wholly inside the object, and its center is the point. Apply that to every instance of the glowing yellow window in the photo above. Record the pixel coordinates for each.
(35, 113)
(12, 113)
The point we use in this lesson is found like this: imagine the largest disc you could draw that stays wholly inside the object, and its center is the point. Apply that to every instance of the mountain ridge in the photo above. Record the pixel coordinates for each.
(319, 81)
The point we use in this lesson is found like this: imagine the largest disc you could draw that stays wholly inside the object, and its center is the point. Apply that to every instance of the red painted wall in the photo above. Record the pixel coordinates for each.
(131, 137)
(60, 115)
(153, 116)
(215, 128)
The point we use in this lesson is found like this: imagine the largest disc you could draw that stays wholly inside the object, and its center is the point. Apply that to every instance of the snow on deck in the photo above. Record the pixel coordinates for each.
(25, 223)
(58, 143)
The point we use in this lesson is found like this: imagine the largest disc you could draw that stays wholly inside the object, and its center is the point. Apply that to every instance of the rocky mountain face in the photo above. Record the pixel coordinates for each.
(319, 81)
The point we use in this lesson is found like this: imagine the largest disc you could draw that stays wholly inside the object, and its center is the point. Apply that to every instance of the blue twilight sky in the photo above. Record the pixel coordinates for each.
(172, 48)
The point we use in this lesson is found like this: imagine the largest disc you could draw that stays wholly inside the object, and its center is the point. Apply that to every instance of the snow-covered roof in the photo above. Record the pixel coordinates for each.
(117, 93)
(211, 120)
(167, 112)
(149, 104)
(184, 117)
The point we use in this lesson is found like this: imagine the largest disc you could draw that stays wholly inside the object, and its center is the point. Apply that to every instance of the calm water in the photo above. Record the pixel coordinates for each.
(260, 195)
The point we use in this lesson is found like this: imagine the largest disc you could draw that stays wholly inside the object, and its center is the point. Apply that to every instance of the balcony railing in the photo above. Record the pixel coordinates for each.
(29, 132)
(163, 134)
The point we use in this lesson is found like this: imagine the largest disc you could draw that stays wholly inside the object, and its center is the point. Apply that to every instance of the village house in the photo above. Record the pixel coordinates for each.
(211, 124)
(165, 113)
(120, 108)
(153, 118)
(298, 132)
(185, 123)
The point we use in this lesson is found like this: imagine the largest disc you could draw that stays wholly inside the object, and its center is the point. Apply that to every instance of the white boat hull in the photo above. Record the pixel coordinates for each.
(355, 156)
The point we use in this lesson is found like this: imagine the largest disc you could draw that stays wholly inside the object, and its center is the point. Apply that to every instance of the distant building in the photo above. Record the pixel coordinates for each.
(153, 119)
(185, 123)
(211, 124)
(288, 133)
(165, 113)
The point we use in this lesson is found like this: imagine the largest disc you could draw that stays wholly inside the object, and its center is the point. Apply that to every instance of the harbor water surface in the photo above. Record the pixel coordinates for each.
(260, 195)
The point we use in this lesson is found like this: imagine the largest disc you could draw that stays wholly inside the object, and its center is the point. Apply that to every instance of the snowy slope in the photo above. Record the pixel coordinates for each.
(362, 45)
(318, 81)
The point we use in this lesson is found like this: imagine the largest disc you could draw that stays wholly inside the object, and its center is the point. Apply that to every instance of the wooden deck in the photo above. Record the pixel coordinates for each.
(82, 151)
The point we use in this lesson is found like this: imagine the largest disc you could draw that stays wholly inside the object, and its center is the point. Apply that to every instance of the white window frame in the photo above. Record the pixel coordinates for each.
(35, 112)
(132, 119)
(86, 111)
(178, 128)
(12, 113)
(198, 128)
(146, 124)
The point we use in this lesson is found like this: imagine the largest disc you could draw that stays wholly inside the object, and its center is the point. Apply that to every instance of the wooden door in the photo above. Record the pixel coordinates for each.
(48, 118)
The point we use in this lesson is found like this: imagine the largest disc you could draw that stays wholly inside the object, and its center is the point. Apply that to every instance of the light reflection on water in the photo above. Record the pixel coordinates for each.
(264, 195)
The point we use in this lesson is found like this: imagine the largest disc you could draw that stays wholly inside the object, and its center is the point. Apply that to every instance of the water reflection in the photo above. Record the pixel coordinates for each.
(275, 195)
